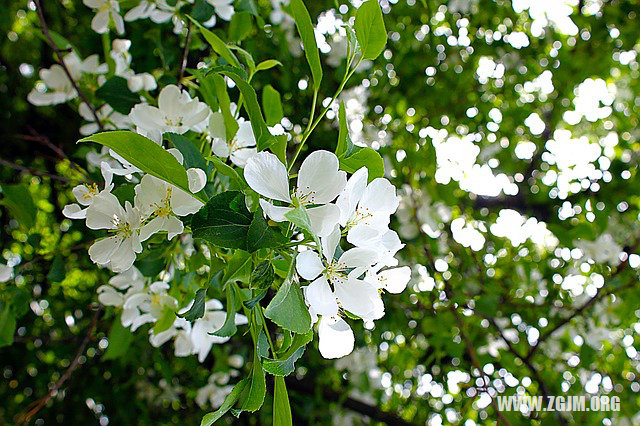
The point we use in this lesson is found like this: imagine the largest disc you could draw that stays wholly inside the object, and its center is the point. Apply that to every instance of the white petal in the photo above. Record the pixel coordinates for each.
(395, 280)
(335, 338)
(184, 204)
(330, 243)
(359, 257)
(100, 22)
(349, 198)
(173, 226)
(362, 235)
(74, 211)
(323, 218)
(244, 136)
(309, 265)
(380, 196)
(266, 175)
(197, 179)
(275, 213)
(319, 180)
(102, 251)
(358, 297)
(320, 298)
(155, 225)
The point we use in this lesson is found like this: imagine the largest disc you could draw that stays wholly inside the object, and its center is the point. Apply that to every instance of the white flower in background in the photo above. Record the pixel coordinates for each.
(159, 11)
(105, 10)
(111, 295)
(57, 87)
(147, 306)
(118, 252)
(319, 183)
(603, 250)
(179, 331)
(393, 280)
(85, 194)
(6, 273)
(366, 209)
(176, 112)
(117, 165)
(110, 119)
(215, 391)
(213, 319)
(122, 59)
(240, 148)
(223, 8)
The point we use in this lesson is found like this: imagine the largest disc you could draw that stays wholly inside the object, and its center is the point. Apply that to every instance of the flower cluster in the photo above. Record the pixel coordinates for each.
(344, 283)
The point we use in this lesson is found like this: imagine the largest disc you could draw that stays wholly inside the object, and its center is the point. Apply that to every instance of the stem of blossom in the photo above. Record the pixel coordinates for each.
(266, 331)
(183, 64)
(106, 47)
(310, 128)
(52, 44)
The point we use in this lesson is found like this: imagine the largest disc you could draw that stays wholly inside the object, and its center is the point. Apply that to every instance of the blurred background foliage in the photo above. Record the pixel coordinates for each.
(511, 128)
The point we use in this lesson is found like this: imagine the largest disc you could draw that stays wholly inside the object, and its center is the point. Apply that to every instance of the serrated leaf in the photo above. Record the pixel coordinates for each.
(229, 401)
(251, 303)
(115, 91)
(262, 276)
(223, 221)
(261, 235)
(238, 268)
(191, 154)
(282, 367)
(370, 30)
(228, 171)
(307, 34)
(257, 388)
(288, 310)
(197, 309)
(300, 218)
(146, 155)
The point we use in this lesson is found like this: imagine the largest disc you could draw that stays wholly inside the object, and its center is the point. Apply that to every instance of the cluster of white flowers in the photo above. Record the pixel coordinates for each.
(143, 302)
(343, 283)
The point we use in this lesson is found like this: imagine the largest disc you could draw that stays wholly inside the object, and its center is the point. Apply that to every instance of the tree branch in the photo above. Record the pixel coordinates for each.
(183, 64)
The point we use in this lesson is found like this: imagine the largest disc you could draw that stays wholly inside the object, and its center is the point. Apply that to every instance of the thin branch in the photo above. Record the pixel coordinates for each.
(36, 406)
(33, 172)
(44, 140)
(60, 61)
(185, 54)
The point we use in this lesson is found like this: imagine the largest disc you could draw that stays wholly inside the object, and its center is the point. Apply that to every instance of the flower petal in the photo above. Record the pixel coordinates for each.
(266, 175)
(320, 298)
(323, 218)
(395, 280)
(275, 213)
(197, 179)
(309, 265)
(319, 180)
(335, 338)
(351, 195)
(358, 297)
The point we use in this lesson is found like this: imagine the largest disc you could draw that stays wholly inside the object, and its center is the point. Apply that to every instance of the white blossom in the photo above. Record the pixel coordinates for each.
(240, 148)
(105, 10)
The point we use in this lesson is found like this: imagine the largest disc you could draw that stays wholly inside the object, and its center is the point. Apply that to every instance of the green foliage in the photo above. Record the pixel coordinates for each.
(116, 93)
(305, 29)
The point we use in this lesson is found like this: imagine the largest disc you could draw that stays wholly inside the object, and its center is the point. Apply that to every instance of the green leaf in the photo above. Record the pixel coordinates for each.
(260, 130)
(240, 26)
(288, 310)
(238, 268)
(251, 303)
(17, 199)
(229, 401)
(268, 64)
(191, 154)
(197, 309)
(305, 29)
(271, 105)
(165, 321)
(116, 93)
(223, 221)
(151, 262)
(230, 123)
(119, 340)
(281, 407)
(146, 155)
(8, 326)
(261, 235)
(217, 44)
(57, 272)
(343, 133)
(257, 389)
(262, 276)
(202, 11)
(236, 181)
(207, 90)
(367, 157)
(370, 30)
(282, 367)
(300, 218)
(229, 327)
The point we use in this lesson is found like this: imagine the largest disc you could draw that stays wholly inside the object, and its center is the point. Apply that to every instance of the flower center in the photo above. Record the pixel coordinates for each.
(92, 191)
(173, 121)
(164, 207)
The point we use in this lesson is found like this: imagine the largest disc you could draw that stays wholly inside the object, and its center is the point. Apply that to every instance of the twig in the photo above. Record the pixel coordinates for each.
(33, 408)
(44, 140)
(52, 44)
(33, 172)
(183, 65)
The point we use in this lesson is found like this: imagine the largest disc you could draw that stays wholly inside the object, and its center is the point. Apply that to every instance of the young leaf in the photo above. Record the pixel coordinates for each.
(229, 328)
(370, 30)
(262, 276)
(119, 340)
(217, 44)
(268, 64)
(228, 171)
(261, 235)
(257, 389)
(272, 105)
(238, 268)
(281, 407)
(197, 309)
(288, 310)
(240, 26)
(17, 199)
(116, 93)
(251, 303)
(146, 155)
(229, 401)
(282, 367)
(230, 123)
(223, 221)
(165, 321)
(300, 218)
(307, 34)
